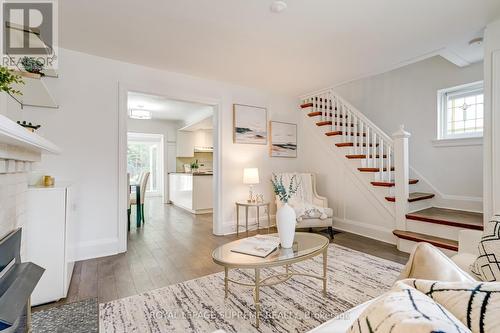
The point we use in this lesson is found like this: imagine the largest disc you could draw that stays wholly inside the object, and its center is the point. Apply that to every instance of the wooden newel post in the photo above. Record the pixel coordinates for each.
(401, 176)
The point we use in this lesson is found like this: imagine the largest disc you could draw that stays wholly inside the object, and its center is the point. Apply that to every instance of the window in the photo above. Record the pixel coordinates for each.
(461, 111)
(145, 153)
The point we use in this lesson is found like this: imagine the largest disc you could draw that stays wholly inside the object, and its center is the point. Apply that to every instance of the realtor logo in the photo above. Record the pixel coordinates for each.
(29, 30)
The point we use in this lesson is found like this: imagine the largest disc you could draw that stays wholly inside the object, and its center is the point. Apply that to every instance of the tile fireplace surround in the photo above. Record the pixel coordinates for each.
(19, 150)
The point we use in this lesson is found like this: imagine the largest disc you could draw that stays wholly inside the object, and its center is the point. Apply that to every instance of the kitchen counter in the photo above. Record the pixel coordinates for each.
(190, 192)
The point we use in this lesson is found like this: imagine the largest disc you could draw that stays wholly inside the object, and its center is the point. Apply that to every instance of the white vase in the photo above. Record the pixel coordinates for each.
(286, 220)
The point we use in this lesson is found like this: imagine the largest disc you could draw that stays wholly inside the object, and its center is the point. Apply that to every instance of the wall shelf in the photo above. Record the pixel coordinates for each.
(14, 135)
(34, 91)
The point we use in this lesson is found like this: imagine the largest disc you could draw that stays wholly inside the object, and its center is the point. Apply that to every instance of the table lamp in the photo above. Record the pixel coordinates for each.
(251, 178)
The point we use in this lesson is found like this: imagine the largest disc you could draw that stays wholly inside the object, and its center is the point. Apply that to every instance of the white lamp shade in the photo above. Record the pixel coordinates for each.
(251, 176)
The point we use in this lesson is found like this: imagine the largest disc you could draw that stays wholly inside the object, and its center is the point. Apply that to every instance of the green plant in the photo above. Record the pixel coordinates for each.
(280, 189)
(32, 65)
(7, 78)
(194, 165)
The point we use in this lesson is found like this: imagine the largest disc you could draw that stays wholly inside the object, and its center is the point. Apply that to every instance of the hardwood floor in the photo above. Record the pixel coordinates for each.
(173, 246)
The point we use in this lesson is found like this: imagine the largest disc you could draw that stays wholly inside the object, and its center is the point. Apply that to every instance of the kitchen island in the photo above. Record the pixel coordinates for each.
(192, 191)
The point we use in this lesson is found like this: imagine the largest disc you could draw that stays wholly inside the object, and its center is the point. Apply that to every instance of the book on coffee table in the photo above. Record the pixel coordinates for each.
(259, 246)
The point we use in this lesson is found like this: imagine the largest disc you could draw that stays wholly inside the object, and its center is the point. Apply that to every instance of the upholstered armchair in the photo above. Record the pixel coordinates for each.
(314, 220)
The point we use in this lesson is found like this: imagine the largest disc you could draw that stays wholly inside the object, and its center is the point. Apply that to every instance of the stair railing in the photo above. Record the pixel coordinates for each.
(354, 127)
(380, 150)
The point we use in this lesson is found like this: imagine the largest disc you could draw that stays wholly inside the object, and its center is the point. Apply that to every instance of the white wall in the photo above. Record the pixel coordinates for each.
(168, 129)
(86, 128)
(408, 96)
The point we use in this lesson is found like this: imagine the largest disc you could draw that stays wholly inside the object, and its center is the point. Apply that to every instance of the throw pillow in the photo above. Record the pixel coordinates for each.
(405, 309)
(487, 265)
(475, 304)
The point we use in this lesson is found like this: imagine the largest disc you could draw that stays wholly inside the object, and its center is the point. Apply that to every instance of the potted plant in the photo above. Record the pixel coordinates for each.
(285, 216)
(194, 166)
(32, 65)
(7, 78)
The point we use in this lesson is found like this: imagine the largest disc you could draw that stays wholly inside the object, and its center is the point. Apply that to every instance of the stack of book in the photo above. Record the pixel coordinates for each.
(259, 246)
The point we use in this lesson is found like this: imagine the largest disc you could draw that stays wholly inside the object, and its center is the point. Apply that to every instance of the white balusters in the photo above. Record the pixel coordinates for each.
(367, 149)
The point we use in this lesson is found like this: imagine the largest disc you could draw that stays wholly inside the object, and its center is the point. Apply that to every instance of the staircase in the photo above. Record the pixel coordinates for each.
(383, 162)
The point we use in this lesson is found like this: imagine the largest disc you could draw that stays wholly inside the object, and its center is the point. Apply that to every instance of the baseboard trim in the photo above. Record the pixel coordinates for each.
(95, 249)
(364, 229)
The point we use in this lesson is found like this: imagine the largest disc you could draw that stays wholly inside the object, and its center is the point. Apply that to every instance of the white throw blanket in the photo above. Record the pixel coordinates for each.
(302, 200)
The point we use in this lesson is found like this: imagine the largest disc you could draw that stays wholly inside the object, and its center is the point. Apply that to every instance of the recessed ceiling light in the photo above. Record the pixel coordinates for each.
(140, 114)
(278, 6)
(476, 41)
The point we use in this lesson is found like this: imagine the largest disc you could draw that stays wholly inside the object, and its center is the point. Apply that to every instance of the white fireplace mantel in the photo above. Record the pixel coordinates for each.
(19, 147)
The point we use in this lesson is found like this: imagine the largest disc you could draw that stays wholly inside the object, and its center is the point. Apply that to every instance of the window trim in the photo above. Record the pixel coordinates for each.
(442, 111)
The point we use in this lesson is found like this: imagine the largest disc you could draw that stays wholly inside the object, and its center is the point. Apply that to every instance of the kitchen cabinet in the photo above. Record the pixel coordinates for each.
(192, 192)
(188, 141)
(185, 144)
(50, 240)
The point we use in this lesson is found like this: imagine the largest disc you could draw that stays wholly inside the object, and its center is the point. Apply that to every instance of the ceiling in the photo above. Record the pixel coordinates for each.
(312, 45)
(167, 109)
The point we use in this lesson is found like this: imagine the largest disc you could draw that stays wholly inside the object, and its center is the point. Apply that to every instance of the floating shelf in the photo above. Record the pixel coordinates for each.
(34, 91)
(15, 135)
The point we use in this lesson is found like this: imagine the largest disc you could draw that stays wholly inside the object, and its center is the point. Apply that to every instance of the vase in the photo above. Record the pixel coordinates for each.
(286, 220)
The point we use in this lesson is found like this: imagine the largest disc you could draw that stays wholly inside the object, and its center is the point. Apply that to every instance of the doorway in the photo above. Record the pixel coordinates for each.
(139, 144)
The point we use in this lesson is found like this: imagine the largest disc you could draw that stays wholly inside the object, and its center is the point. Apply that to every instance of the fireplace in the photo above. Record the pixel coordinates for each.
(17, 281)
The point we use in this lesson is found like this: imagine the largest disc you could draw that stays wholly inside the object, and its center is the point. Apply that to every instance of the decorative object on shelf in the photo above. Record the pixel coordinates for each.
(32, 65)
(259, 198)
(29, 126)
(251, 178)
(283, 141)
(7, 79)
(48, 181)
(285, 216)
(249, 124)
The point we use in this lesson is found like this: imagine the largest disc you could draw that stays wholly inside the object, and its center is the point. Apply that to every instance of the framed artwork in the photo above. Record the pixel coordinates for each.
(249, 124)
(283, 139)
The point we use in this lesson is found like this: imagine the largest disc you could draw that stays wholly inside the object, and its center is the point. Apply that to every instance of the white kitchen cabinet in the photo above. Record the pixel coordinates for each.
(185, 144)
(50, 240)
(192, 192)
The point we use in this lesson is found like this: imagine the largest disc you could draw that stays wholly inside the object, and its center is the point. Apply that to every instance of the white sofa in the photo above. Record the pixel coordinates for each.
(317, 201)
(468, 242)
(421, 265)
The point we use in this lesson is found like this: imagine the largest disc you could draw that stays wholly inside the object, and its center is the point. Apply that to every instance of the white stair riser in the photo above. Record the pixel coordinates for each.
(421, 204)
(407, 246)
(433, 229)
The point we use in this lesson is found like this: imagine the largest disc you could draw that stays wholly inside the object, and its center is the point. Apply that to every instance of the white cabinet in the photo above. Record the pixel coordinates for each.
(191, 192)
(185, 144)
(50, 240)
(187, 141)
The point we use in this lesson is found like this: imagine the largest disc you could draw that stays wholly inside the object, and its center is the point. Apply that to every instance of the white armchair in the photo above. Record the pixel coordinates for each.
(317, 200)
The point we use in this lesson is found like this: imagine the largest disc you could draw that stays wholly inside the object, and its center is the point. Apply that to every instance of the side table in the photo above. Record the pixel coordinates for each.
(257, 205)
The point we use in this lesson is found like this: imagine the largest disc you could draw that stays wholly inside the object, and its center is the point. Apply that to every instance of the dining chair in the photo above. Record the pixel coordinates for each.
(144, 179)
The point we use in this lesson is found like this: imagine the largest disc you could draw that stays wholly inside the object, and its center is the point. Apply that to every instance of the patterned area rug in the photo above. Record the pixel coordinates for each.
(78, 317)
(297, 305)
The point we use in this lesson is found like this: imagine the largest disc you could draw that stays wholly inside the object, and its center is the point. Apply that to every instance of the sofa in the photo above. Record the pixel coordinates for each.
(422, 265)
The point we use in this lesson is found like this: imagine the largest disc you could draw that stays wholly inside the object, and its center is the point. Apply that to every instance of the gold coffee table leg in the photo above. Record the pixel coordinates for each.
(257, 297)
(226, 271)
(325, 259)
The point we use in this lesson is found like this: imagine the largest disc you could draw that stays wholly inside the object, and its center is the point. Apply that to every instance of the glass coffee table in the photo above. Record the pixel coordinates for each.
(305, 246)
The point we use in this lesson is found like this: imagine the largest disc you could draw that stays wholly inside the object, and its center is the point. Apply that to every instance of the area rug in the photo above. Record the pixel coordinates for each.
(77, 317)
(295, 306)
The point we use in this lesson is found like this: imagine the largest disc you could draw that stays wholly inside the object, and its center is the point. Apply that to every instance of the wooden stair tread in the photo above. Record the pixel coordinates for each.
(414, 196)
(392, 183)
(373, 169)
(351, 144)
(363, 156)
(451, 217)
(436, 241)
